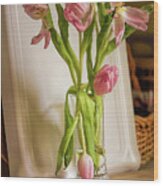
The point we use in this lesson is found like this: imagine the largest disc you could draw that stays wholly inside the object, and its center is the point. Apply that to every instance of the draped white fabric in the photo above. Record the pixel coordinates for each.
(34, 83)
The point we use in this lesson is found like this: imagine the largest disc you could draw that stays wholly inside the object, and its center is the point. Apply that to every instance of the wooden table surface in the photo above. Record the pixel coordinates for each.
(146, 172)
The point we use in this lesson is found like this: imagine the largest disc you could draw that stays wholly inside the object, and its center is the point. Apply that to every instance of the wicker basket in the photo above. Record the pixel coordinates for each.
(145, 137)
(144, 125)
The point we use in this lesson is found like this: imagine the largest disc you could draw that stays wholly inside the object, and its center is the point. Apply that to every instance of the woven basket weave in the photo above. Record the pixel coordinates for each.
(145, 137)
(144, 125)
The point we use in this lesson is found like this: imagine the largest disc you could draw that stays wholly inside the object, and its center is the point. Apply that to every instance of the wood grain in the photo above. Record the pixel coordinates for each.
(145, 173)
(155, 91)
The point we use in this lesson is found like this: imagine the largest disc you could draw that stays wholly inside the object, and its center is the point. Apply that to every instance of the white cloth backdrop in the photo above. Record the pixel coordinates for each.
(34, 83)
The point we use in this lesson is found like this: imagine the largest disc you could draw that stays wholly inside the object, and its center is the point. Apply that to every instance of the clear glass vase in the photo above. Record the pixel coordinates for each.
(100, 171)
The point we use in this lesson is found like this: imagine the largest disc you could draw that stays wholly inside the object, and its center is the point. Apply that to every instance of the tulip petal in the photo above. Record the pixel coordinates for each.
(79, 10)
(105, 79)
(136, 18)
(136, 15)
(104, 69)
(79, 14)
(47, 40)
(44, 33)
(37, 39)
(138, 26)
(101, 87)
(36, 11)
(80, 27)
(118, 26)
(114, 75)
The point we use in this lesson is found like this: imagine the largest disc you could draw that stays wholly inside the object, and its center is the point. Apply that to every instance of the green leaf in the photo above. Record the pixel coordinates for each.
(111, 45)
(69, 153)
(128, 31)
(101, 13)
(99, 149)
(102, 39)
(103, 34)
(87, 39)
(87, 107)
(63, 26)
(98, 128)
(49, 20)
(107, 5)
(59, 45)
(65, 143)
(68, 122)
(65, 152)
(89, 65)
(98, 117)
(149, 8)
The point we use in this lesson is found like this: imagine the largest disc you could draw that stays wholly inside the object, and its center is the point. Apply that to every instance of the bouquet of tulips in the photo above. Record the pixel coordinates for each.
(112, 22)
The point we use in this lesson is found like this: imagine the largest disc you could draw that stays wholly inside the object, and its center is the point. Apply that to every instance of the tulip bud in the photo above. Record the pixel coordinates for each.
(86, 167)
(105, 79)
(79, 14)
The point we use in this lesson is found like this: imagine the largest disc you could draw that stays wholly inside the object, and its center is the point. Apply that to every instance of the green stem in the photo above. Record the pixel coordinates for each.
(100, 55)
(59, 45)
(90, 68)
(72, 75)
(81, 128)
(63, 26)
(80, 59)
(81, 134)
(97, 27)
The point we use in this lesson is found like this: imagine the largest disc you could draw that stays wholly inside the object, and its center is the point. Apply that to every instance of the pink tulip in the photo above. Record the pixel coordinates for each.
(105, 79)
(36, 11)
(39, 11)
(44, 33)
(134, 17)
(86, 167)
(79, 14)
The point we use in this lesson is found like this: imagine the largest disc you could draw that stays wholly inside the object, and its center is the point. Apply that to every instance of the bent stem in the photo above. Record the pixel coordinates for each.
(59, 45)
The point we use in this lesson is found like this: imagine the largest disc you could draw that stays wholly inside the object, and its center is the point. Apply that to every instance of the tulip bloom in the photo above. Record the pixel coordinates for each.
(134, 17)
(39, 11)
(36, 11)
(79, 14)
(86, 167)
(105, 79)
